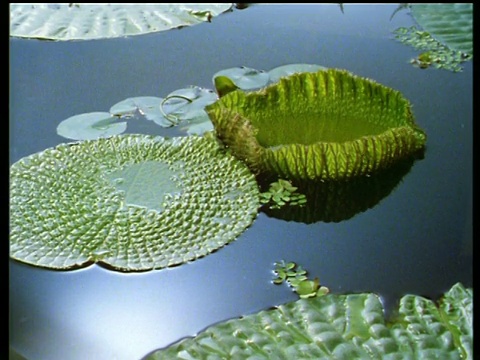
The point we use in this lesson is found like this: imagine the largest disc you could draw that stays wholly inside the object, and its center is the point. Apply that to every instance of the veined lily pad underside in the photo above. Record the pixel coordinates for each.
(131, 202)
(326, 125)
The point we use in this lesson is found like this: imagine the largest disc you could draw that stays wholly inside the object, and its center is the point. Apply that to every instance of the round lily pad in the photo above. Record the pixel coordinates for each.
(131, 202)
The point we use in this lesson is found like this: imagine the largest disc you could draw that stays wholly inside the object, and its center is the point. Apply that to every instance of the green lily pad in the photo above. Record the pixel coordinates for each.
(91, 126)
(449, 23)
(94, 21)
(327, 125)
(131, 202)
(244, 77)
(333, 326)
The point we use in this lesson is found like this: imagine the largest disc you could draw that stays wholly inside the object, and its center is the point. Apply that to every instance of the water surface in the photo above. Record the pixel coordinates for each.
(418, 239)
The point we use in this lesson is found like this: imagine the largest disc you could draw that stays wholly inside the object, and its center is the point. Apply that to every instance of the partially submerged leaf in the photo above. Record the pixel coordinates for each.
(132, 202)
(349, 326)
(91, 126)
(95, 21)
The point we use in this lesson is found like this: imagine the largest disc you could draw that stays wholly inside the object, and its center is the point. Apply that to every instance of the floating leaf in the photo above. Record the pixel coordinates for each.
(327, 125)
(290, 69)
(198, 123)
(244, 77)
(91, 126)
(185, 104)
(132, 202)
(349, 326)
(451, 24)
(95, 21)
(130, 105)
(148, 106)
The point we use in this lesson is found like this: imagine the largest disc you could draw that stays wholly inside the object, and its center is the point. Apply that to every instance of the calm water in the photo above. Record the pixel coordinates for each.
(418, 239)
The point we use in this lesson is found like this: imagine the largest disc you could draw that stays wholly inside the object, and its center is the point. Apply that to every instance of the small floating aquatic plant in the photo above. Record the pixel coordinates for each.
(296, 277)
(281, 193)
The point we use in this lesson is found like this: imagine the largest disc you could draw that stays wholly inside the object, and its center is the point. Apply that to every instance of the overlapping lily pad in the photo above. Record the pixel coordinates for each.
(340, 327)
(78, 21)
(131, 202)
(326, 125)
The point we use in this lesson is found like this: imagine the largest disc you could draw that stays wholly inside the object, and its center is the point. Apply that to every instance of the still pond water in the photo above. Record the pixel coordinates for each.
(417, 239)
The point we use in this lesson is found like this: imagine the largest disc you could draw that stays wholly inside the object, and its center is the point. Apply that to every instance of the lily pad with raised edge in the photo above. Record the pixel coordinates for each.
(449, 23)
(334, 326)
(78, 21)
(130, 202)
(91, 126)
(327, 125)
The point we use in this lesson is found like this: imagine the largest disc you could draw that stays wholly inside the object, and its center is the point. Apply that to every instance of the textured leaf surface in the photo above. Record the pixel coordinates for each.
(451, 24)
(325, 125)
(133, 202)
(340, 327)
(95, 21)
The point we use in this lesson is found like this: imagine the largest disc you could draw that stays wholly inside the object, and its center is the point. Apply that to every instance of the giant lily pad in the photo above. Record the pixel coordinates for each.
(340, 327)
(77, 21)
(326, 125)
(451, 24)
(132, 202)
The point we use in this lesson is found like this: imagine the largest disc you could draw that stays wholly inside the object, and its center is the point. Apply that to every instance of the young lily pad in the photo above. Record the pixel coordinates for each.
(94, 21)
(91, 126)
(327, 125)
(351, 326)
(244, 77)
(132, 202)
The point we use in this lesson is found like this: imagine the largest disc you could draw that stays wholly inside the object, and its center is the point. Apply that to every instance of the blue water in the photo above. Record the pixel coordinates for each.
(418, 239)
